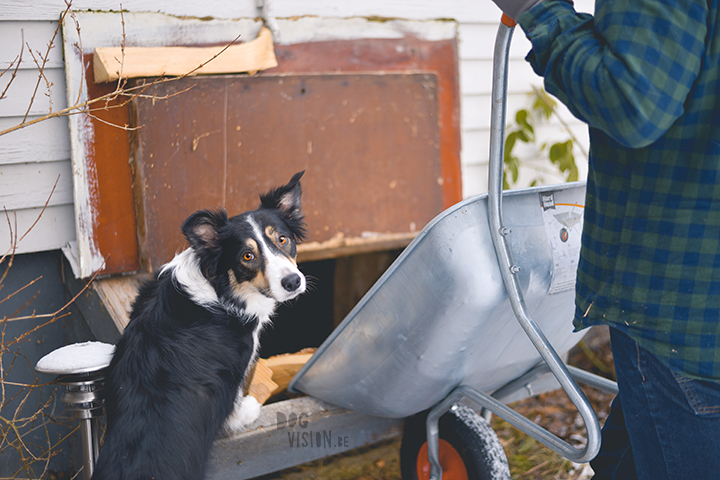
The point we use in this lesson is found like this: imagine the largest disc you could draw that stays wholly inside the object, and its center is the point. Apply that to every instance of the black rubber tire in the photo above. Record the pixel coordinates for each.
(468, 433)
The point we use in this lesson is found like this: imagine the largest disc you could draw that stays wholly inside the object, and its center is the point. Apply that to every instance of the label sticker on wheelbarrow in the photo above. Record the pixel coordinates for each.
(563, 224)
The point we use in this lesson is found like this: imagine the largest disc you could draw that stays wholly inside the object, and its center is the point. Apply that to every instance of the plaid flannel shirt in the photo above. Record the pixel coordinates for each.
(645, 76)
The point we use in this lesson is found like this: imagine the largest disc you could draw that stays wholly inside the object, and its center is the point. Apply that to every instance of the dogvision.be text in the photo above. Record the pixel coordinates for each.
(319, 439)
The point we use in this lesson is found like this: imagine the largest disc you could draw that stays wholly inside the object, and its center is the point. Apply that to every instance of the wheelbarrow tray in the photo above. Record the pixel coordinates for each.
(440, 315)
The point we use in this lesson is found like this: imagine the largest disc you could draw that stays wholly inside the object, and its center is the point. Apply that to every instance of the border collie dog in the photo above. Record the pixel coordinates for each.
(177, 375)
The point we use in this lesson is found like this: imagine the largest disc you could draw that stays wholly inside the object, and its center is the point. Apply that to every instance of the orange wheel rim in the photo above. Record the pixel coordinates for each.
(452, 464)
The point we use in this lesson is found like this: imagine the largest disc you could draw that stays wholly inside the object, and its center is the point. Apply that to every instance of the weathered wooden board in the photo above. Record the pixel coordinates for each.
(117, 295)
(296, 431)
(341, 246)
(424, 10)
(112, 63)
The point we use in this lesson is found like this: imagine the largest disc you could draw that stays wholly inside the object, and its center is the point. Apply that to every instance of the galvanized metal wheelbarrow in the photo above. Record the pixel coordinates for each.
(478, 306)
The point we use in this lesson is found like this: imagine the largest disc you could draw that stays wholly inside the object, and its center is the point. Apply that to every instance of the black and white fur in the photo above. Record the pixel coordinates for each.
(176, 378)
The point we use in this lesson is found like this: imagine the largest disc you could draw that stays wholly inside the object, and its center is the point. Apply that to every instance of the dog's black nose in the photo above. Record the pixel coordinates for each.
(291, 282)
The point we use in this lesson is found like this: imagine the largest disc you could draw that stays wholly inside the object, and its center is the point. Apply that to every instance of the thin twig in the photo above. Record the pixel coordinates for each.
(83, 107)
(45, 59)
(47, 202)
(17, 66)
(57, 312)
(41, 76)
(77, 45)
(20, 289)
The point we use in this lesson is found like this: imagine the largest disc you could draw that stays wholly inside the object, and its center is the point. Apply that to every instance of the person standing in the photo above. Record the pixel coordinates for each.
(645, 76)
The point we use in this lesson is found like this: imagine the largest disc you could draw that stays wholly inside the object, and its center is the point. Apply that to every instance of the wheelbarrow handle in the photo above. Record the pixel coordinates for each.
(507, 21)
(509, 270)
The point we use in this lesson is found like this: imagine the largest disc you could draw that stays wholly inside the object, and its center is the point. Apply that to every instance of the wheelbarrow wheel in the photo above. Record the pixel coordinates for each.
(469, 448)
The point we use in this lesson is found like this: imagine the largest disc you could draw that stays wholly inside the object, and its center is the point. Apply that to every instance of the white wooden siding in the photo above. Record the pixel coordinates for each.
(31, 159)
(56, 224)
(45, 141)
(21, 90)
(29, 185)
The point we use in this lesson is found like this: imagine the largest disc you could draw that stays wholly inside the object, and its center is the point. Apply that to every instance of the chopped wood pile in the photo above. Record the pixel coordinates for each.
(272, 375)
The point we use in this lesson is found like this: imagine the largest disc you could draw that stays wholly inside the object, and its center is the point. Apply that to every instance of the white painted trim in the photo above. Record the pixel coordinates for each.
(88, 256)
(316, 29)
(52, 9)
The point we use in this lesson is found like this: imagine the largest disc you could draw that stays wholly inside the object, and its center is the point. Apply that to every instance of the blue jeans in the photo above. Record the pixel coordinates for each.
(662, 425)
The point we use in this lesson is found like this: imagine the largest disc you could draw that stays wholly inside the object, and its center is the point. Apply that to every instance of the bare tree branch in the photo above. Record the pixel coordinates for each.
(44, 59)
(17, 59)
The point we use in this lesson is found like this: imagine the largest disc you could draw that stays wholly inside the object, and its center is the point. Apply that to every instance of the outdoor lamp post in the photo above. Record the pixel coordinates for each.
(81, 369)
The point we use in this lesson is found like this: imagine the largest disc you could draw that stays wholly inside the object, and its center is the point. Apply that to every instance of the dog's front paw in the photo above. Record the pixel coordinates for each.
(247, 410)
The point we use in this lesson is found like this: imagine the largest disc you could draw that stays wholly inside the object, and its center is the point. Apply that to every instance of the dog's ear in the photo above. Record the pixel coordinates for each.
(202, 230)
(287, 199)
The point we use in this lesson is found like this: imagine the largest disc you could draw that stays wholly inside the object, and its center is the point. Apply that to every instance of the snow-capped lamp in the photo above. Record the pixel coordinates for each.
(81, 369)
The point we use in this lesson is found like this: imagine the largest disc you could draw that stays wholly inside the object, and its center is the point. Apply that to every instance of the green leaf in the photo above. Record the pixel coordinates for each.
(544, 104)
(557, 151)
(521, 116)
(561, 154)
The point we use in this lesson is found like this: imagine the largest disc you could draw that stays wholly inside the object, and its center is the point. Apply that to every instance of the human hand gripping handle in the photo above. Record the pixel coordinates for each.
(514, 8)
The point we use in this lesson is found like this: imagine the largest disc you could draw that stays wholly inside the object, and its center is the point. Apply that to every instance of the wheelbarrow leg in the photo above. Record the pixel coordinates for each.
(433, 442)
(433, 432)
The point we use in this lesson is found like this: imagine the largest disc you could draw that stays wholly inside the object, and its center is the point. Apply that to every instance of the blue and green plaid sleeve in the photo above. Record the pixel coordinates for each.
(645, 76)
(625, 71)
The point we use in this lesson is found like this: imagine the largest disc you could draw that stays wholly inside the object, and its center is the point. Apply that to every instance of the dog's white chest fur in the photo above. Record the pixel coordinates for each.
(246, 411)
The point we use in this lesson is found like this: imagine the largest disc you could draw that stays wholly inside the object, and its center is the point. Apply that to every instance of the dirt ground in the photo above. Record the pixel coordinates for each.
(527, 458)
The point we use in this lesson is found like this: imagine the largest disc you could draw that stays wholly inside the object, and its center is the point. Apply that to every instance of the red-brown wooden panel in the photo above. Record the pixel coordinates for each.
(111, 177)
(370, 145)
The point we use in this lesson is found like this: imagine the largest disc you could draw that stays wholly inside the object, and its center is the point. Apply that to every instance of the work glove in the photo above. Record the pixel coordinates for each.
(514, 8)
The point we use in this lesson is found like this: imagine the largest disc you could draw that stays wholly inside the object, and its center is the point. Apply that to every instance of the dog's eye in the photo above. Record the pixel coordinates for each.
(248, 256)
(283, 240)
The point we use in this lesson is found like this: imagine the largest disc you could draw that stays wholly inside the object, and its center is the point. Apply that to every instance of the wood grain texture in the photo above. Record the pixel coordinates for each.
(117, 295)
(370, 146)
(111, 63)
